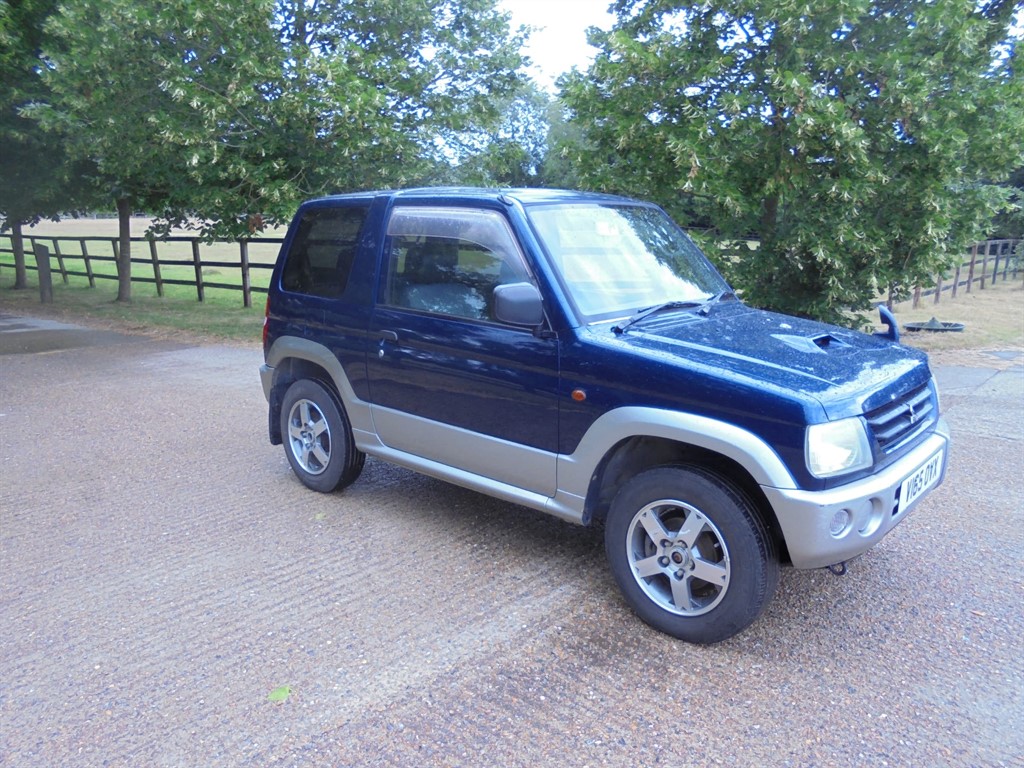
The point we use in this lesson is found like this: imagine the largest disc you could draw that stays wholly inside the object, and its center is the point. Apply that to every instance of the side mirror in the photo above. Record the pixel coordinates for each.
(518, 304)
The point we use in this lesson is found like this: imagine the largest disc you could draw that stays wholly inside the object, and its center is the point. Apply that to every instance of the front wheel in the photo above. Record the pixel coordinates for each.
(318, 439)
(690, 553)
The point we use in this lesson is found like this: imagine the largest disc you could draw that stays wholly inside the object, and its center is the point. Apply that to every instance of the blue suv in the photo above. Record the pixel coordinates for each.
(577, 354)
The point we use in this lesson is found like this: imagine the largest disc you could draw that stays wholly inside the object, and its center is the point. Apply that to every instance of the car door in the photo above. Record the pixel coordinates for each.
(448, 382)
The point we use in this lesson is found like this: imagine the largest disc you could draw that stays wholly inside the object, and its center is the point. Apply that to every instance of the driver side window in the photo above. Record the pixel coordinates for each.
(449, 261)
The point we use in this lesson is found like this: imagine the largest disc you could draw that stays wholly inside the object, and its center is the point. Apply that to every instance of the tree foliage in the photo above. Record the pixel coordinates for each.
(36, 180)
(508, 152)
(854, 139)
(861, 142)
(333, 95)
(102, 71)
(226, 113)
(1010, 222)
(566, 142)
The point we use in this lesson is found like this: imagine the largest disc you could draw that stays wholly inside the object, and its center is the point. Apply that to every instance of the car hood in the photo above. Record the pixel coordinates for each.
(846, 371)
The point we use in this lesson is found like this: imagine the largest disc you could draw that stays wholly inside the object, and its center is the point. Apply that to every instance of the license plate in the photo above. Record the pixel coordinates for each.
(919, 482)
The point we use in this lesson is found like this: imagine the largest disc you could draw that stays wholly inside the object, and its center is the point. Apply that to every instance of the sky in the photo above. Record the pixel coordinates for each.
(560, 40)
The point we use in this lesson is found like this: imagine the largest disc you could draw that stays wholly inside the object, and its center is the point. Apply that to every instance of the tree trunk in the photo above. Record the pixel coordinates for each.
(124, 254)
(769, 217)
(18, 244)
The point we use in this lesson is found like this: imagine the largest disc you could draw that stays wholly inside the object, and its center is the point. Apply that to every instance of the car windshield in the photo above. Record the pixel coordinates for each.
(615, 260)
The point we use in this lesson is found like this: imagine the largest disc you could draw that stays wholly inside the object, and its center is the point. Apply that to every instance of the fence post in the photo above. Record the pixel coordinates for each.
(984, 264)
(88, 264)
(156, 266)
(199, 268)
(60, 260)
(43, 268)
(938, 288)
(956, 278)
(917, 297)
(970, 272)
(243, 252)
(995, 269)
(1009, 254)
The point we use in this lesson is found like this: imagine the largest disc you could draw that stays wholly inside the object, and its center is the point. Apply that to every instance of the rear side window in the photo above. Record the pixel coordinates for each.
(321, 255)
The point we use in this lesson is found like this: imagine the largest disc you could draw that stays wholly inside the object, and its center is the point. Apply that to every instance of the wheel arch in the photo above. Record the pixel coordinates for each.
(634, 455)
(637, 439)
(294, 358)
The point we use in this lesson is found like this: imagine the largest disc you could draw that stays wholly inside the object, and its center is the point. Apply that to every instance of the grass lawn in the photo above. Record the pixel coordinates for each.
(220, 316)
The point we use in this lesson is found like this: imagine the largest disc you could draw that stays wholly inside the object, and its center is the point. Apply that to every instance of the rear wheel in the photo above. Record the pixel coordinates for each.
(690, 554)
(318, 439)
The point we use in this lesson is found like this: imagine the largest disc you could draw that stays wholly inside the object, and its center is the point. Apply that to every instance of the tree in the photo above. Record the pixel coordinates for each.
(854, 139)
(565, 141)
(348, 95)
(105, 105)
(32, 164)
(226, 113)
(1010, 222)
(508, 153)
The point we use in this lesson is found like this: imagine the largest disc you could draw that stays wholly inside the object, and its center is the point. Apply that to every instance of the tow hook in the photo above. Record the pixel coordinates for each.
(838, 569)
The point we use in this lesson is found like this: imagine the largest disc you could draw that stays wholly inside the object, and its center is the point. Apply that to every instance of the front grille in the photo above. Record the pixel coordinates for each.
(899, 422)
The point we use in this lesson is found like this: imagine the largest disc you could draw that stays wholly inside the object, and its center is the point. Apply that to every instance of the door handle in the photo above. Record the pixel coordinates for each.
(385, 337)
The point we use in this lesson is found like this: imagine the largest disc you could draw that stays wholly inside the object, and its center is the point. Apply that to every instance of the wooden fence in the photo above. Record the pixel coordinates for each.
(79, 256)
(988, 262)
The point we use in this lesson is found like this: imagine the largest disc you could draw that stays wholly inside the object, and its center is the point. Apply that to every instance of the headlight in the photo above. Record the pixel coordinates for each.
(837, 447)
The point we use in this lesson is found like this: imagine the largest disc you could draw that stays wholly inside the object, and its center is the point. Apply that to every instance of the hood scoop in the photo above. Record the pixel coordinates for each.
(815, 345)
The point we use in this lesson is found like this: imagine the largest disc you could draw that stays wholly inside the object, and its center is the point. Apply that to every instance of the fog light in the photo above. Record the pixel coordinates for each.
(840, 522)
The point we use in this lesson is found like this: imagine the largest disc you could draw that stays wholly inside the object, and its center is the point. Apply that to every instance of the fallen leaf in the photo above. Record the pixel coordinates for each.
(280, 693)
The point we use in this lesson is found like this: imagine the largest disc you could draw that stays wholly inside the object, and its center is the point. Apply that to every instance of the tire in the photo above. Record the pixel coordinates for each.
(318, 439)
(690, 554)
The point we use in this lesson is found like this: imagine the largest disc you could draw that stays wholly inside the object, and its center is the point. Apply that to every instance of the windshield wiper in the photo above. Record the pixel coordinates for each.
(703, 307)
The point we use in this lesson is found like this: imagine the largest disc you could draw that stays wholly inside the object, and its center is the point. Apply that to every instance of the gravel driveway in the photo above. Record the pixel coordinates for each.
(162, 571)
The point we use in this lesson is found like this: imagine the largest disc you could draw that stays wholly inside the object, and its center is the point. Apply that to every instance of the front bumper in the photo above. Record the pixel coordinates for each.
(871, 503)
